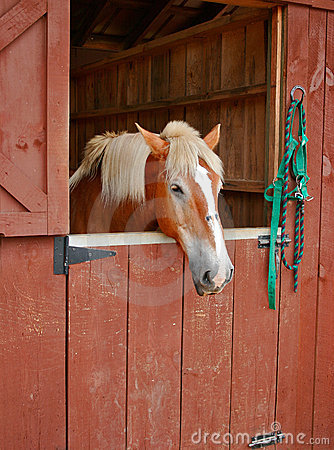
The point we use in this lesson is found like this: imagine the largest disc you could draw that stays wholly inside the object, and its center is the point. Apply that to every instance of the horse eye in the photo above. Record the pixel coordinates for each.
(175, 188)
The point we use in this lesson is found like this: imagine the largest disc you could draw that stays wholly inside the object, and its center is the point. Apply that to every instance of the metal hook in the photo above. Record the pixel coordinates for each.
(293, 91)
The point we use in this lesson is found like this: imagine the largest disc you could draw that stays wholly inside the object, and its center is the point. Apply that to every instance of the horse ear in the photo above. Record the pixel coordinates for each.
(158, 146)
(212, 138)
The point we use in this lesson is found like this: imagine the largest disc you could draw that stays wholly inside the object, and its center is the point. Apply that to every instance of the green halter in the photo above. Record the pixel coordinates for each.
(296, 152)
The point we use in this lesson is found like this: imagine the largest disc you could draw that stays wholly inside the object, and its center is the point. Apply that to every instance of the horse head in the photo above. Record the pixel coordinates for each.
(186, 201)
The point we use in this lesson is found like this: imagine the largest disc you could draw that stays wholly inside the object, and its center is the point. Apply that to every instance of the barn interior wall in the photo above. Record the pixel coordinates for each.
(219, 77)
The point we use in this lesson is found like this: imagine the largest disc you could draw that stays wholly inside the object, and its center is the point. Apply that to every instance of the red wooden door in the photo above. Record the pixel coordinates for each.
(153, 365)
(34, 69)
(34, 86)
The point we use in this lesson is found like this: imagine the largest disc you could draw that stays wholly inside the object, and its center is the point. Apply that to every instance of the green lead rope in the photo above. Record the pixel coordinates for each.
(295, 153)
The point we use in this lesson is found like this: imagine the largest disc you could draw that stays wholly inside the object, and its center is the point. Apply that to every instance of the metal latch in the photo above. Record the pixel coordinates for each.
(264, 241)
(264, 440)
(65, 255)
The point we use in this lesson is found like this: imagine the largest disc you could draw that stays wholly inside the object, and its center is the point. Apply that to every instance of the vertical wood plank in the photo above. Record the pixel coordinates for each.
(97, 339)
(305, 57)
(254, 346)
(160, 76)
(206, 364)
(233, 59)
(155, 321)
(58, 61)
(144, 79)
(255, 54)
(194, 69)
(233, 138)
(212, 63)
(177, 86)
(254, 139)
(122, 74)
(324, 377)
(32, 336)
(132, 86)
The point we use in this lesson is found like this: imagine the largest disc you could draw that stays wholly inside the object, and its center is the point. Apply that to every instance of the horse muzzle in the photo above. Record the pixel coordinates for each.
(205, 284)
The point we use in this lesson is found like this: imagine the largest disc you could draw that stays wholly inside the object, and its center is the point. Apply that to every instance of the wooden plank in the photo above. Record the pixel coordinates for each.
(97, 352)
(232, 139)
(217, 96)
(248, 3)
(177, 80)
(132, 84)
(154, 346)
(21, 187)
(218, 25)
(243, 185)
(32, 224)
(154, 237)
(122, 74)
(19, 18)
(58, 31)
(320, 4)
(324, 380)
(32, 336)
(305, 57)
(194, 67)
(206, 364)
(233, 59)
(255, 53)
(254, 346)
(212, 56)
(144, 80)
(254, 139)
(160, 76)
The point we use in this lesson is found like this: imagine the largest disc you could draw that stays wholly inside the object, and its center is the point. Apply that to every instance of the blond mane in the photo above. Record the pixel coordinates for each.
(123, 156)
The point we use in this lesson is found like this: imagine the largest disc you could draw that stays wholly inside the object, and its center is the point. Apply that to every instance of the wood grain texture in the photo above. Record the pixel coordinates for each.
(255, 328)
(57, 116)
(305, 58)
(19, 18)
(97, 341)
(154, 346)
(32, 336)
(324, 377)
(206, 363)
(32, 224)
(23, 130)
(25, 192)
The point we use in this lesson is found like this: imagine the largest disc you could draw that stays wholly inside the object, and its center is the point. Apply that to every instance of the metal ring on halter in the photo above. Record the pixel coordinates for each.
(293, 91)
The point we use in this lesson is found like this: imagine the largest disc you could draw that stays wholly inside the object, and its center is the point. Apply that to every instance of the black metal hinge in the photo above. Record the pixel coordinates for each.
(264, 440)
(65, 255)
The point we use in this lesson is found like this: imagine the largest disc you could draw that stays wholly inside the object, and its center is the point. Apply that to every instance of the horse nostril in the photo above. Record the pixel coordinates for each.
(230, 277)
(207, 279)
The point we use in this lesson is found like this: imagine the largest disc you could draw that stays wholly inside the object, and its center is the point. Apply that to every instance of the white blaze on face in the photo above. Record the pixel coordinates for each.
(202, 178)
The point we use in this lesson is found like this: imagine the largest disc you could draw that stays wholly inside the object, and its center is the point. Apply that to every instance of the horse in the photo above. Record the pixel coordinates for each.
(145, 181)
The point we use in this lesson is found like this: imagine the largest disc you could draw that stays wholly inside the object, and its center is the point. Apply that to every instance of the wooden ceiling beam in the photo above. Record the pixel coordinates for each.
(157, 10)
(103, 42)
(248, 3)
(88, 22)
(227, 9)
(320, 4)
